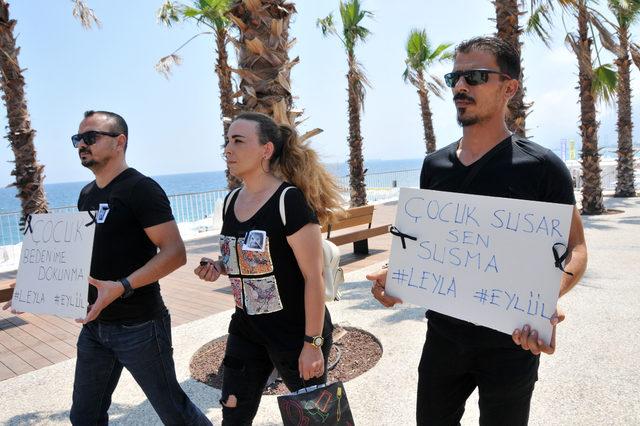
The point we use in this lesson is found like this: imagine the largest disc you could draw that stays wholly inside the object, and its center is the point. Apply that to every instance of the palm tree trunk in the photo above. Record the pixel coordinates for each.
(507, 15)
(358, 193)
(625, 173)
(28, 172)
(263, 57)
(427, 122)
(590, 158)
(223, 71)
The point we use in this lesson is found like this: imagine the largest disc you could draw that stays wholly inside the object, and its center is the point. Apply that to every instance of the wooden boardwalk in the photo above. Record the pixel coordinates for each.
(29, 342)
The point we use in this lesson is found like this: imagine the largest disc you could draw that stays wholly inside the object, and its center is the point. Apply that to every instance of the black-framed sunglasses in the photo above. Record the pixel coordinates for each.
(472, 77)
(89, 137)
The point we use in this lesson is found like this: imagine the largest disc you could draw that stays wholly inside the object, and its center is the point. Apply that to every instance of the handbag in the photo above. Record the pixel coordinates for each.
(331, 271)
(325, 405)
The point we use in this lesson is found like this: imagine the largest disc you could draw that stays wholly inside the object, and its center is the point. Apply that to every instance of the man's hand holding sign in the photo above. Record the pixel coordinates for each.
(491, 261)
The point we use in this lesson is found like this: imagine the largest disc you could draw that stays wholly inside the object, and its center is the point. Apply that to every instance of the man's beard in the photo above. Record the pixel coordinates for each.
(466, 121)
(87, 162)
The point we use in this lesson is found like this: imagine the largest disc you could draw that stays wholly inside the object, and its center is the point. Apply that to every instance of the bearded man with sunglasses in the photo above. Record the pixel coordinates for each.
(459, 356)
(136, 243)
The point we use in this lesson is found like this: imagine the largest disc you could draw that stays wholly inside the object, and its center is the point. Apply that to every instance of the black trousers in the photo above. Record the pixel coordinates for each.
(247, 366)
(450, 370)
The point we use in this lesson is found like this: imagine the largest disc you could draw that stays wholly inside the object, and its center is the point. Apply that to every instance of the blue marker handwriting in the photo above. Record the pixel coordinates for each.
(425, 280)
(457, 256)
(526, 222)
(461, 213)
(511, 301)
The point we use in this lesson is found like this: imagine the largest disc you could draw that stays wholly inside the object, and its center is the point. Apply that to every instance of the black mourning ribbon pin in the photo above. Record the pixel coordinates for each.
(28, 225)
(93, 219)
(559, 259)
(395, 231)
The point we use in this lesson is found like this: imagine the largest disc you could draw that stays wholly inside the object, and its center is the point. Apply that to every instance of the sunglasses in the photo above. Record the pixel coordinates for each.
(472, 77)
(89, 137)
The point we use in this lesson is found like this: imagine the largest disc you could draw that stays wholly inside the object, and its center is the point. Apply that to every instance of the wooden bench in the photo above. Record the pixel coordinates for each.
(356, 216)
(6, 290)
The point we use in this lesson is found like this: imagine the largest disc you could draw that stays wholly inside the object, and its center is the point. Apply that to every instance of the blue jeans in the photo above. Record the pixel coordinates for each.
(145, 350)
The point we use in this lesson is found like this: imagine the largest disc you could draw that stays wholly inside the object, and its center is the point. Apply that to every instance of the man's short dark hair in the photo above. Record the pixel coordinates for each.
(506, 55)
(118, 125)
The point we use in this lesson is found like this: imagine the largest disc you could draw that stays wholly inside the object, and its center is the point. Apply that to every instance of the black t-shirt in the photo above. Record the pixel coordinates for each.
(127, 205)
(517, 168)
(266, 281)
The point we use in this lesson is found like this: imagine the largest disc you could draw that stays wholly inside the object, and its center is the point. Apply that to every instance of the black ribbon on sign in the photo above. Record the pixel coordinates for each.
(93, 219)
(560, 258)
(395, 231)
(28, 225)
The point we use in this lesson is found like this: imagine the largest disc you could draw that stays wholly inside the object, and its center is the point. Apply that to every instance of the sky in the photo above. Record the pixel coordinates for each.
(174, 124)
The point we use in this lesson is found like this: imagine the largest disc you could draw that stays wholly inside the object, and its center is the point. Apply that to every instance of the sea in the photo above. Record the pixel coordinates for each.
(66, 194)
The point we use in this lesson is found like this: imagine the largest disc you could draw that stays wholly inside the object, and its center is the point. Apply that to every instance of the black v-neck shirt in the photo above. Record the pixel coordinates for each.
(266, 281)
(517, 168)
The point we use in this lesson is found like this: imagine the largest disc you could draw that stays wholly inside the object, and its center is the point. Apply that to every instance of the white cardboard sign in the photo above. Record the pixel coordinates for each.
(54, 265)
(486, 260)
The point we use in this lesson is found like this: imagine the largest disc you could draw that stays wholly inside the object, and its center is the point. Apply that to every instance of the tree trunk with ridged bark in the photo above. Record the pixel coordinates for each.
(358, 193)
(507, 14)
(625, 173)
(227, 110)
(28, 172)
(425, 109)
(592, 202)
(264, 67)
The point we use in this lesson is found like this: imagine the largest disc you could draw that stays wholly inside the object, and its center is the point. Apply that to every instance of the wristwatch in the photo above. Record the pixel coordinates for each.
(128, 290)
(316, 341)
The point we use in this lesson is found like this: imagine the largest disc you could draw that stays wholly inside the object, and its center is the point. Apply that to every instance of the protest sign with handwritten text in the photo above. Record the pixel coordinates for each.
(54, 265)
(486, 260)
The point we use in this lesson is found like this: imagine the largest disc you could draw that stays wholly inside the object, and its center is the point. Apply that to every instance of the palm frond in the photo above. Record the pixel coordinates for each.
(571, 41)
(168, 13)
(538, 22)
(85, 14)
(326, 25)
(417, 49)
(635, 53)
(441, 53)
(439, 84)
(165, 64)
(605, 83)
(606, 38)
(352, 16)
(627, 12)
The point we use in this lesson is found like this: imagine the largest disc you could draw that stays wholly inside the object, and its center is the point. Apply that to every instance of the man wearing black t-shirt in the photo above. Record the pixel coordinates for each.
(459, 356)
(136, 243)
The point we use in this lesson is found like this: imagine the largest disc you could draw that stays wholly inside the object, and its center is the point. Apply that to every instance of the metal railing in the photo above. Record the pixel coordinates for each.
(202, 211)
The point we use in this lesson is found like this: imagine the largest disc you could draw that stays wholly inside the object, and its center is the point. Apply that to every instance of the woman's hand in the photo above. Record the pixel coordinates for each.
(310, 362)
(209, 269)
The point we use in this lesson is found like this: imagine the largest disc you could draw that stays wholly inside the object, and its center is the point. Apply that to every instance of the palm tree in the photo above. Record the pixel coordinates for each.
(212, 14)
(28, 172)
(264, 67)
(626, 13)
(581, 42)
(508, 28)
(352, 16)
(421, 55)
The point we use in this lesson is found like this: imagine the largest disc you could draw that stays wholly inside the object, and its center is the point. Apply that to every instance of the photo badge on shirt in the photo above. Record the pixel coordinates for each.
(103, 211)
